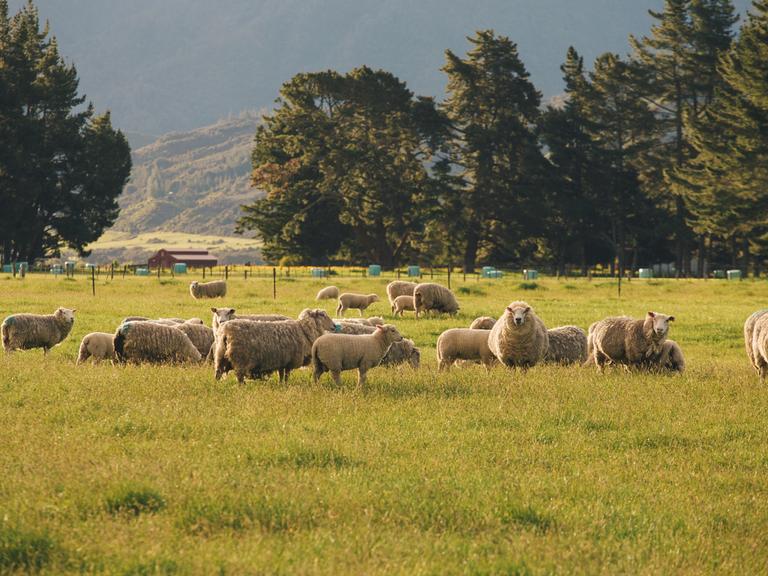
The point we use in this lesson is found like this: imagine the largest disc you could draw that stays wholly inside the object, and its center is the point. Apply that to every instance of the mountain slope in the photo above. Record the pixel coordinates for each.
(179, 64)
(191, 181)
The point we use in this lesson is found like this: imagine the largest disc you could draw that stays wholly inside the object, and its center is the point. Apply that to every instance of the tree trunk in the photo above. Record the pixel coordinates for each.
(745, 256)
(734, 251)
(700, 257)
(470, 249)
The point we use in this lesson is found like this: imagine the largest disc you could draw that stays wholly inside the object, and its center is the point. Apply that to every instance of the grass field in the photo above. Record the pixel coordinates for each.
(163, 470)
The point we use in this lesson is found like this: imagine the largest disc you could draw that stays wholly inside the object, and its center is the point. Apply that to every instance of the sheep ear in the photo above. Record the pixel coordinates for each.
(214, 310)
(651, 314)
(231, 310)
(509, 309)
(527, 309)
(671, 318)
(379, 327)
(75, 310)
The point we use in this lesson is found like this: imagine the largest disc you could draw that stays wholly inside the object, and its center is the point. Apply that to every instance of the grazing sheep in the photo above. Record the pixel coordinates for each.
(567, 345)
(27, 331)
(760, 345)
(370, 321)
(214, 289)
(194, 321)
(350, 300)
(328, 293)
(134, 319)
(428, 296)
(221, 315)
(139, 342)
(401, 304)
(749, 329)
(201, 336)
(256, 349)
(464, 344)
(337, 352)
(174, 320)
(399, 288)
(519, 337)
(98, 345)
(163, 322)
(625, 340)
(482, 323)
(399, 353)
(670, 359)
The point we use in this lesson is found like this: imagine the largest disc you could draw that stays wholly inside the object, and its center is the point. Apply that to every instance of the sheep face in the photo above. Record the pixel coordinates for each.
(67, 314)
(517, 314)
(660, 323)
(223, 314)
(390, 333)
(321, 318)
(415, 359)
(373, 297)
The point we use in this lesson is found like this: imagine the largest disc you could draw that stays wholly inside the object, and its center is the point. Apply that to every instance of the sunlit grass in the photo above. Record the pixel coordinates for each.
(163, 470)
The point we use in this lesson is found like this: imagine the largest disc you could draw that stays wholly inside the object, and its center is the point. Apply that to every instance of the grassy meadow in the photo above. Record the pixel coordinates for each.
(163, 470)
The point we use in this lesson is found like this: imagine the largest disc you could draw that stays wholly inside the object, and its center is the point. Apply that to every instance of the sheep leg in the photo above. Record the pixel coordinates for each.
(336, 374)
(361, 377)
(443, 366)
(339, 310)
(317, 372)
(240, 376)
(283, 375)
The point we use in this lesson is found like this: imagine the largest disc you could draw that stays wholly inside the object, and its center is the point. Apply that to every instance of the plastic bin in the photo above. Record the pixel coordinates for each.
(69, 266)
(414, 271)
(374, 270)
(718, 274)
(319, 272)
(142, 271)
(734, 274)
(8, 268)
(530, 274)
(645, 273)
(180, 268)
(493, 274)
(57, 269)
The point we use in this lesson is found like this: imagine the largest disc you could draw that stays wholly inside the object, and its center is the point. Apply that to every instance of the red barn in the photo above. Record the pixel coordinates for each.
(192, 258)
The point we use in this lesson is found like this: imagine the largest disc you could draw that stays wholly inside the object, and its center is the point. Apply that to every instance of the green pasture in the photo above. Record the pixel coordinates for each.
(163, 470)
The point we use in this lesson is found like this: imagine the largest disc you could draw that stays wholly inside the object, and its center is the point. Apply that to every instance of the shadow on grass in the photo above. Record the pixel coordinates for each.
(25, 552)
(133, 500)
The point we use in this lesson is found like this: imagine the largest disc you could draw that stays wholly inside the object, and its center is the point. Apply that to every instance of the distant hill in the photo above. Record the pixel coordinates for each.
(179, 64)
(191, 182)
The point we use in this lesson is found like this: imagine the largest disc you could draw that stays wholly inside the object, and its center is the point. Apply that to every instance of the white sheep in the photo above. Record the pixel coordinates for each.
(221, 315)
(399, 353)
(201, 336)
(213, 289)
(335, 353)
(256, 349)
(399, 288)
(139, 342)
(483, 323)
(370, 321)
(97, 345)
(519, 338)
(760, 345)
(27, 331)
(670, 359)
(428, 296)
(628, 341)
(749, 329)
(349, 300)
(464, 344)
(328, 293)
(401, 304)
(567, 345)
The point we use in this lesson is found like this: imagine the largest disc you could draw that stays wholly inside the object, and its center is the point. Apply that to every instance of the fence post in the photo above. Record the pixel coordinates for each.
(158, 271)
(449, 276)
(93, 280)
(203, 272)
(125, 270)
(14, 268)
(274, 283)
(112, 271)
(226, 272)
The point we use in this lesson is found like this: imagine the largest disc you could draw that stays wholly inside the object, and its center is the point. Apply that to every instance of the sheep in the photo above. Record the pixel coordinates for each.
(519, 338)
(337, 352)
(221, 315)
(201, 336)
(194, 321)
(98, 345)
(482, 323)
(759, 354)
(256, 349)
(328, 293)
(370, 321)
(567, 345)
(669, 359)
(401, 304)
(134, 319)
(173, 320)
(359, 301)
(27, 331)
(628, 341)
(464, 344)
(139, 342)
(428, 296)
(214, 289)
(749, 329)
(399, 288)
(398, 353)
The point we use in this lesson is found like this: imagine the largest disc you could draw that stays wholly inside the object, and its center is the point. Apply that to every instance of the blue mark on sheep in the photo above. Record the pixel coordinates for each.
(337, 327)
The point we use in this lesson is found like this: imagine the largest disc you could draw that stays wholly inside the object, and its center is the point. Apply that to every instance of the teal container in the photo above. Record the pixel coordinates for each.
(374, 270)
(488, 271)
(89, 266)
(22, 266)
(495, 274)
(319, 272)
(57, 269)
(734, 274)
(69, 266)
(142, 271)
(8, 268)
(719, 274)
(414, 271)
(645, 273)
(180, 268)
(530, 274)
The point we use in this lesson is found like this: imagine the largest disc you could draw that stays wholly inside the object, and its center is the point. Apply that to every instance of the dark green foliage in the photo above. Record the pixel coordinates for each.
(22, 551)
(134, 500)
(61, 165)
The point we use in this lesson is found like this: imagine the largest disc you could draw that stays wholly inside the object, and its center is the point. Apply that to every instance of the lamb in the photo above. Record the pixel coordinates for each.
(628, 341)
(464, 344)
(399, 288)
(328, 293)
(27, 331)
(482, 323)
(139, 342)
(256, 349)
(359, 301)
(399, 353)
(337, 352)
(428, 296)
(214, 289)
(98, 345)
(401, 304)
(670, 359)
(519, 338)
(567, 345)
(201, 336)
(749, 329)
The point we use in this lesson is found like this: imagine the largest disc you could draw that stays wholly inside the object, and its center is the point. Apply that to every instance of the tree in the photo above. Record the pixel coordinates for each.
(493, 107)
(61, 166)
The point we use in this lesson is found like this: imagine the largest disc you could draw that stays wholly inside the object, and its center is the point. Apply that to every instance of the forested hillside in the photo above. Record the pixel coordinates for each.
(191, 181)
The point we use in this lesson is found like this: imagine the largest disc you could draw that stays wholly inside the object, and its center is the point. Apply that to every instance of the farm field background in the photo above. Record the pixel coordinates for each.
(163, 470)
